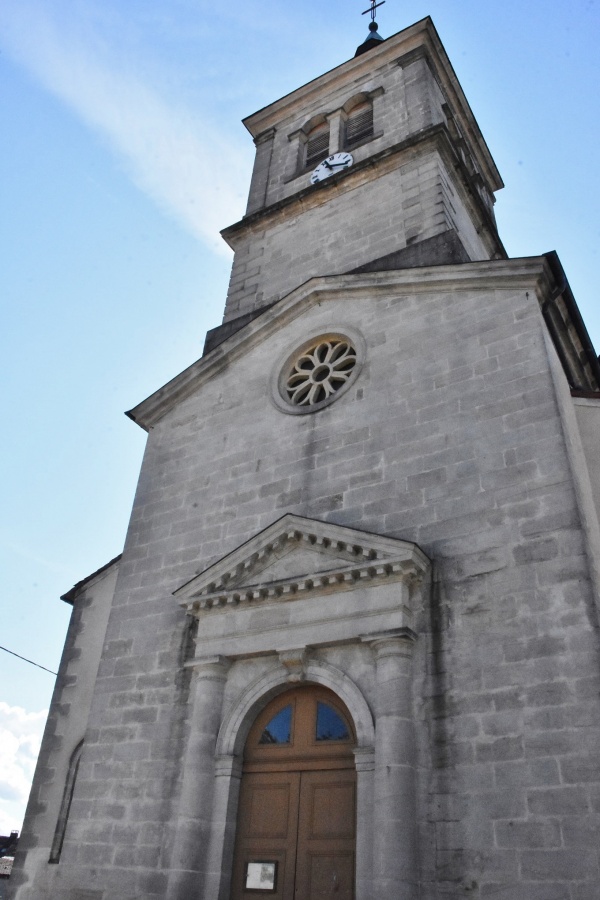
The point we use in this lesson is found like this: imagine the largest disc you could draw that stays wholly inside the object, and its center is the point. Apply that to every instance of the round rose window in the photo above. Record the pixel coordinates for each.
(320, 371)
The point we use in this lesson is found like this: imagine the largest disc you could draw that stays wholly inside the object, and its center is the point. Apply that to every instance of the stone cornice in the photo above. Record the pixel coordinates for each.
(529, 273)
(344, 558)
(436, 137)
(338, 579)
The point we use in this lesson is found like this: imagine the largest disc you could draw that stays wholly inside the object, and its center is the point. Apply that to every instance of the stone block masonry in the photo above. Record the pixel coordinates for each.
(347, 228)
(450, 438)
(438, 517)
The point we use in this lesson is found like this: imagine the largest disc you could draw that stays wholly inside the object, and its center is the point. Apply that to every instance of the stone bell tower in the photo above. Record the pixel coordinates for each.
(351, 647)
(419, 189)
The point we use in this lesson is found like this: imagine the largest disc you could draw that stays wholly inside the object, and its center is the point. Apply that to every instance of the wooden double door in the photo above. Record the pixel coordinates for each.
(296, 831)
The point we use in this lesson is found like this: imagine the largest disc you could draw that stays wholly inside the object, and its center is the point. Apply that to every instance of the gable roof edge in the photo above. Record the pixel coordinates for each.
(527, 272)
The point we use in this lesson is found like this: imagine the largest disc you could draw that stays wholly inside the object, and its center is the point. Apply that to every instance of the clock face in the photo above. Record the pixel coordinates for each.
(331, 165)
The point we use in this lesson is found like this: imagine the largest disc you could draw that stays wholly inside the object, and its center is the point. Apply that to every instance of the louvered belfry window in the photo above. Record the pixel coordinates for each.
(359, 124)
(317, 145)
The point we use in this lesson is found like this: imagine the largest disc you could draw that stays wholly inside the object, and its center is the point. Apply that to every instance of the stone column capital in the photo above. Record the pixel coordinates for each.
(264, 136)
(228, 766)
(365, 759)
(209, 666)
(377, 92)
(297, 135)
(392, 643)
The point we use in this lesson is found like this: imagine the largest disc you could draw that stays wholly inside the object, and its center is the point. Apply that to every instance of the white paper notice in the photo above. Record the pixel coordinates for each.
(260, 876)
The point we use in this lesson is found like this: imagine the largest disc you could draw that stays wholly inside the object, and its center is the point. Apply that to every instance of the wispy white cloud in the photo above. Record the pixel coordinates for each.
(20, 739)
(173, 154)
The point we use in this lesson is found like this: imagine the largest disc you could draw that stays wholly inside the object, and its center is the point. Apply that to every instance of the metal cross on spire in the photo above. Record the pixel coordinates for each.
(372, 8)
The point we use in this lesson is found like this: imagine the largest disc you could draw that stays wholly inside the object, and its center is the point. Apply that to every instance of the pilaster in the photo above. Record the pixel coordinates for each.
(189, 859)
(365, 770)
(262, 166)
(395, 863)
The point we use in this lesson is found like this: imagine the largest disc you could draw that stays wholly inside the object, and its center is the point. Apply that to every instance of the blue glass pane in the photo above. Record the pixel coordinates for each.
(279, 728)
(330, 725)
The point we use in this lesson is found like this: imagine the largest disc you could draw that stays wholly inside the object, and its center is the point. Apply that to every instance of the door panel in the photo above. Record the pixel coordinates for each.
(270, 807)
(267, 831)
(297, 804)
(326, 835)
(327, 877)
(329, 803)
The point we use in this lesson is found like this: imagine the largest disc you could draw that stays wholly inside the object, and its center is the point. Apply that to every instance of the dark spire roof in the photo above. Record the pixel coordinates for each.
(373, 39)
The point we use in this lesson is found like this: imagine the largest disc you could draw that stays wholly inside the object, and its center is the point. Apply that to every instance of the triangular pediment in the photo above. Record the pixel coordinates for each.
(295, 555)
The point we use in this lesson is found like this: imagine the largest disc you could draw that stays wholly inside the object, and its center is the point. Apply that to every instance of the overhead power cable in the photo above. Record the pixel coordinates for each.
(24, 658)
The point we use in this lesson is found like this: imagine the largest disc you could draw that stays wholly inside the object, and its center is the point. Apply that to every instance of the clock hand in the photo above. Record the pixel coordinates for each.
(325, 163)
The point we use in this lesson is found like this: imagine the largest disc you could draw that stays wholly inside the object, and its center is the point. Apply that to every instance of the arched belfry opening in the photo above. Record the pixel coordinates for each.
(296, 822)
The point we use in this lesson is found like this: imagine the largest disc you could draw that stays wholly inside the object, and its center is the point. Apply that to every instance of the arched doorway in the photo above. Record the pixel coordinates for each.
(296, 828)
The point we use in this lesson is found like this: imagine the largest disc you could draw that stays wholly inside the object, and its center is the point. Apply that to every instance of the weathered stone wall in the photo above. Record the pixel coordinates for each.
(346, 228)
(451, 438)
(65, 729)
(588, 421)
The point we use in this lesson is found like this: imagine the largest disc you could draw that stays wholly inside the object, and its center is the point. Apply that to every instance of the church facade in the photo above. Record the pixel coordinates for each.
(351, 648)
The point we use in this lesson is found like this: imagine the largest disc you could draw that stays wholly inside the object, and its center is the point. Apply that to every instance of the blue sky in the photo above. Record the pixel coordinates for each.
(122, 156)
